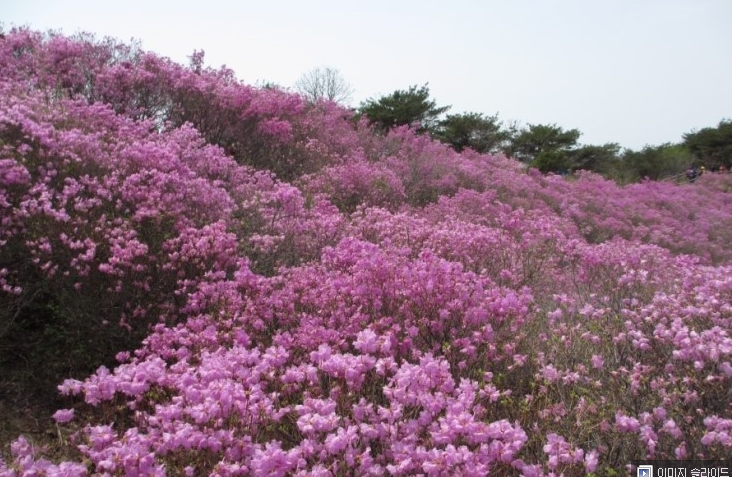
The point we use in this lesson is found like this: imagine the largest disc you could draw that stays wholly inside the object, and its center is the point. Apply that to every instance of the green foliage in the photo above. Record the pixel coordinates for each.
(552, 161)
(472, 130)
(657, 162)
(529, 142)
(404, 107)
(712, 146)
(599, 159)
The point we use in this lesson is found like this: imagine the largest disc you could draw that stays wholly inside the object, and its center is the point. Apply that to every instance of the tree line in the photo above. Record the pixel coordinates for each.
(547, 147)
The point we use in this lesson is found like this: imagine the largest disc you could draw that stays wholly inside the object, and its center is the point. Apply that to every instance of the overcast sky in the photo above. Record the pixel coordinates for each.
(634, 72)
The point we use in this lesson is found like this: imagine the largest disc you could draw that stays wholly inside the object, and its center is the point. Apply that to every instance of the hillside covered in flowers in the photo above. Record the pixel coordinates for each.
(263, 286)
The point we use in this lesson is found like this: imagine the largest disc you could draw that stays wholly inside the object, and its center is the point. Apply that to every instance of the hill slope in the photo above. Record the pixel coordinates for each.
(272, 288)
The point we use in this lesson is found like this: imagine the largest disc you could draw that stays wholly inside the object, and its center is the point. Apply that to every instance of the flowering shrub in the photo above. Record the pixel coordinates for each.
(397, 309)
(357, 182)
(263, 127)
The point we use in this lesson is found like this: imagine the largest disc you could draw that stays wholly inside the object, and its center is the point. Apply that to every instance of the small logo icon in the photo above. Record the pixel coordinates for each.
(645, 471)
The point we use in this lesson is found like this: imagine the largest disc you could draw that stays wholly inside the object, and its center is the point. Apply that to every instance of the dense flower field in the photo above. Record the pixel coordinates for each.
(322, 300)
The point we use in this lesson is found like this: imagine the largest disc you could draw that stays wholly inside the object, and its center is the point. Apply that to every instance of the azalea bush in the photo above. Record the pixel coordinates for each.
(276, 289)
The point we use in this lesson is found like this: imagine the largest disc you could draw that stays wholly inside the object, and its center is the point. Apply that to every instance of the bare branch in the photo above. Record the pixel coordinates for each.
(324, 84)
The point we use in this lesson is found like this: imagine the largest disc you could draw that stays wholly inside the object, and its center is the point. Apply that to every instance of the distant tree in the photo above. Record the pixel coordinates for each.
(472, 130)
(404, 107)
(550, 160)
(595, 158)
(527, 143)
(657, 162)
(324, 84)
(270, 85)
(712, 146)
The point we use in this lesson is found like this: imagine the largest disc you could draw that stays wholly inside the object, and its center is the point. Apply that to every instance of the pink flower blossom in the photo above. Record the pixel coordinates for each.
(63, 415)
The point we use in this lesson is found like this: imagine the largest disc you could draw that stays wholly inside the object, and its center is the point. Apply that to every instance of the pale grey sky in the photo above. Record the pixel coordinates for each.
(633, 72)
